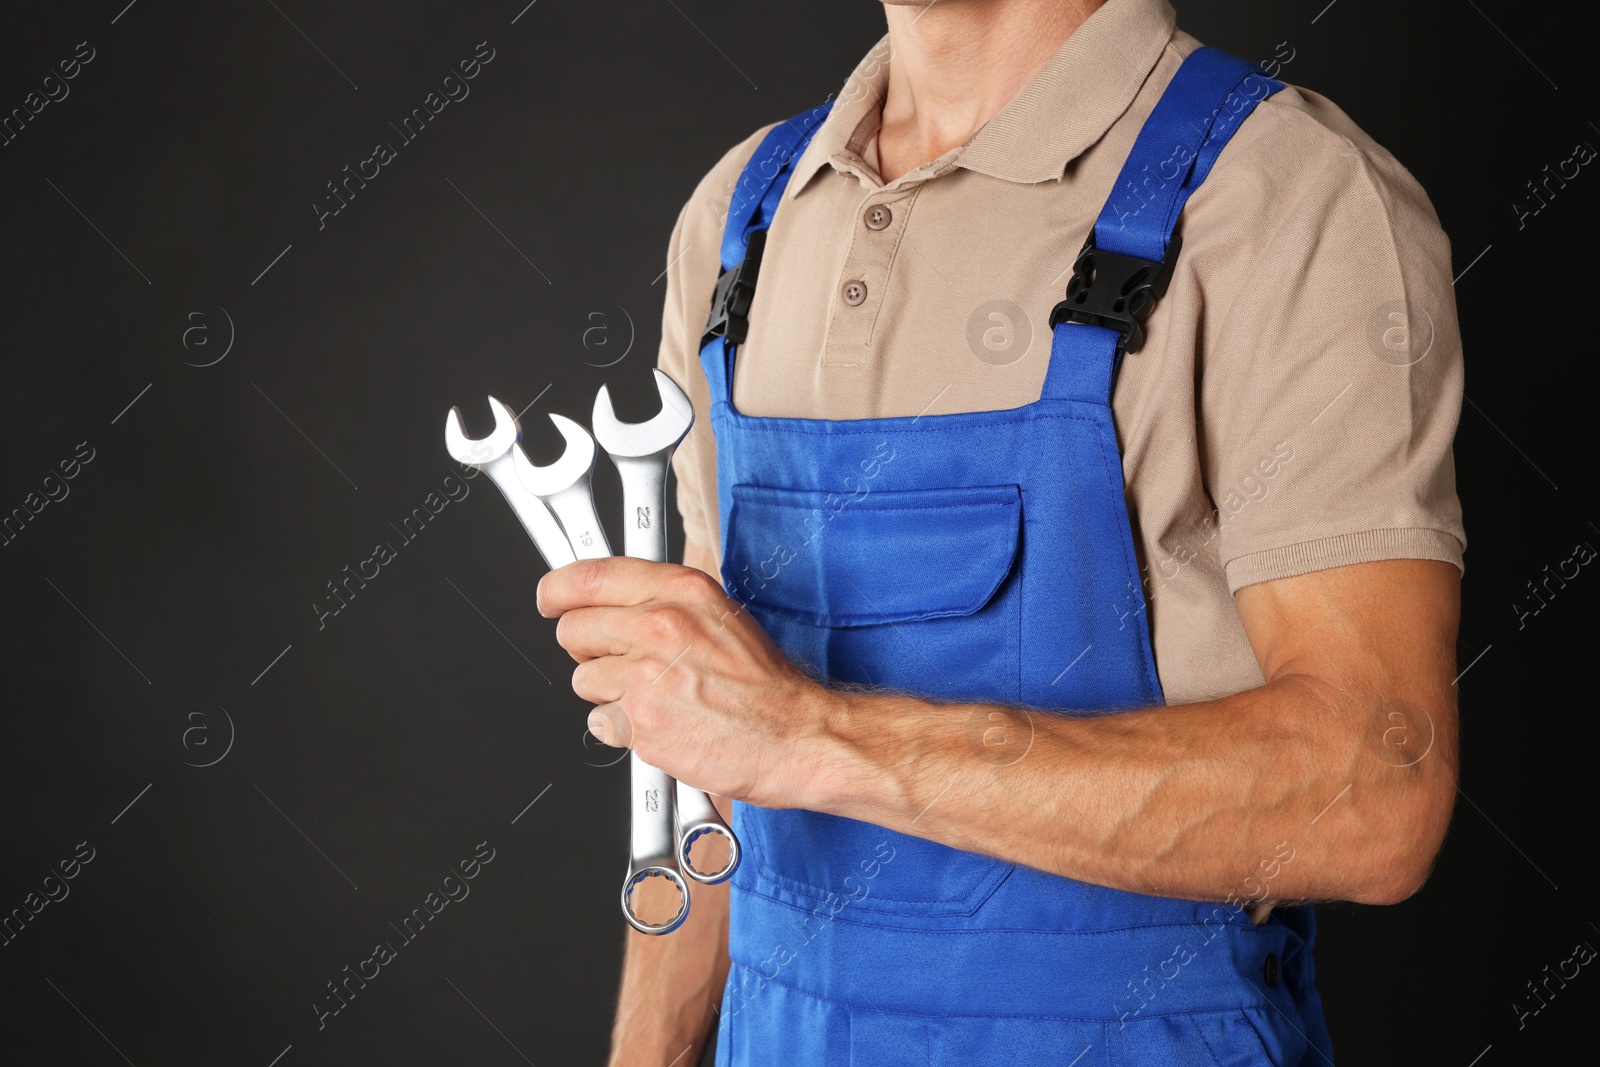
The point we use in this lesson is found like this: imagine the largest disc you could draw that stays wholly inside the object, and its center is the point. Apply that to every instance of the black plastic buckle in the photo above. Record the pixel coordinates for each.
(1116, 291)
(736, 288)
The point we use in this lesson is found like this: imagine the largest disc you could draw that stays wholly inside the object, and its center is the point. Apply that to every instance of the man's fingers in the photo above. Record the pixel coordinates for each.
(618, 581)
(610, 726)
(600, 681)
(587, 633)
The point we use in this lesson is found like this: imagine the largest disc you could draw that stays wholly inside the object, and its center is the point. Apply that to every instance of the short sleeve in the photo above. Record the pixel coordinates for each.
(696, 472)
(1329, 393)
(693, 261)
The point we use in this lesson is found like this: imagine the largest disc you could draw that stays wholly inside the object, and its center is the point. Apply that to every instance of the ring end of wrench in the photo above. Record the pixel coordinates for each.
(635, 879)
(721, 874)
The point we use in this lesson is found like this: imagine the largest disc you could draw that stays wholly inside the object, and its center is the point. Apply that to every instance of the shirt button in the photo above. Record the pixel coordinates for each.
(877, 217)
(854, 293)
(1270, 970)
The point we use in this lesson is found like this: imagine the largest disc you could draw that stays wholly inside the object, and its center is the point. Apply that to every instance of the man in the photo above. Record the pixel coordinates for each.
(1205, 504)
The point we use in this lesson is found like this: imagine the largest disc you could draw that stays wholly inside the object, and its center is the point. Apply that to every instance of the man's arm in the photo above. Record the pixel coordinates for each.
(671, 984)
(1346, 755)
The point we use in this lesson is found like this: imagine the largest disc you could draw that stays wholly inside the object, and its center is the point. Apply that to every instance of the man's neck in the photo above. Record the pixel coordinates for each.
(955, 63)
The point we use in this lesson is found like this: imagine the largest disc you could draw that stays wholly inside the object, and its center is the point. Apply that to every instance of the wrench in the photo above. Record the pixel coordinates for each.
(564, 487)
(642, 452)
(492, 455)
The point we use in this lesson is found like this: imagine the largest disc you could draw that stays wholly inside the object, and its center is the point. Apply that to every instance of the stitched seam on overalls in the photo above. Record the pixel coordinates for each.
(1266, 929)
(1052, 934)
(892, 507)
(759, 420)
(999, 870)
(1146, 646)
(1203, 1040)
(1033, 1016)
(1019, 560)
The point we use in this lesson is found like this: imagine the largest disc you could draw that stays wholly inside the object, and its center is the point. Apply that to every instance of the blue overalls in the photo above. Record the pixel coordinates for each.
(976, 556)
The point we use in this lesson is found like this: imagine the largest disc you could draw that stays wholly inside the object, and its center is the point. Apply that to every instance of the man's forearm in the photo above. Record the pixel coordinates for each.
(1185, 801)
(1346, 754)
(671, 986)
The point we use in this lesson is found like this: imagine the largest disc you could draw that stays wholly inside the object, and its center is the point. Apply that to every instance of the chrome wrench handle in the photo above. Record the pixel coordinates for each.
(644, 494)
(652, 851)
(493, 456)
(535, 517)
(642, 454)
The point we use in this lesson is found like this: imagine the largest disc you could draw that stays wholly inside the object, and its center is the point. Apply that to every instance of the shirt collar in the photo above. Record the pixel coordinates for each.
(1067, 106)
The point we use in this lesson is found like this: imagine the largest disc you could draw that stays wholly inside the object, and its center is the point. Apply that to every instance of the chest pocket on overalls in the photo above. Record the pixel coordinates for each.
(911, 589)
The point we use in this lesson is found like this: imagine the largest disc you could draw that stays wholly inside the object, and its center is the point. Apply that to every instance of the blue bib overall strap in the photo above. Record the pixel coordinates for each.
(984, 557)
(755, 199)
(1126, 262)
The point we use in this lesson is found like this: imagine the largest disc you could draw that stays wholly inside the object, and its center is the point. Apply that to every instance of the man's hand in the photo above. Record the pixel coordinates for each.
(680, 673)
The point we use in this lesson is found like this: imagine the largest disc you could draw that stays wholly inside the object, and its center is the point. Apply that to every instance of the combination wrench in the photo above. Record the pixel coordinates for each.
(565, 487)
(642, 451)
(493, 456)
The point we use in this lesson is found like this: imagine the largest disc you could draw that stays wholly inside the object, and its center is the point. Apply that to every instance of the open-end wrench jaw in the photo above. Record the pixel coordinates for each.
(573, 468)
(642, 452)
(564, 487)
(477, 452)
(494, 455)
(638, 440)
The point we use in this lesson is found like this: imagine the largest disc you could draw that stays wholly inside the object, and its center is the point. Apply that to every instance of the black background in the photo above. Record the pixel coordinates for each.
(515, 247)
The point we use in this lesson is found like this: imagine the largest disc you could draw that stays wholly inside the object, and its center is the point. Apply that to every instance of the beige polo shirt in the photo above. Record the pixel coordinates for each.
(1294, 402)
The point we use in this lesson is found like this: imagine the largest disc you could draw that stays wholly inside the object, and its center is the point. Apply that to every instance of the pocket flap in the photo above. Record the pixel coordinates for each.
(883, 556)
